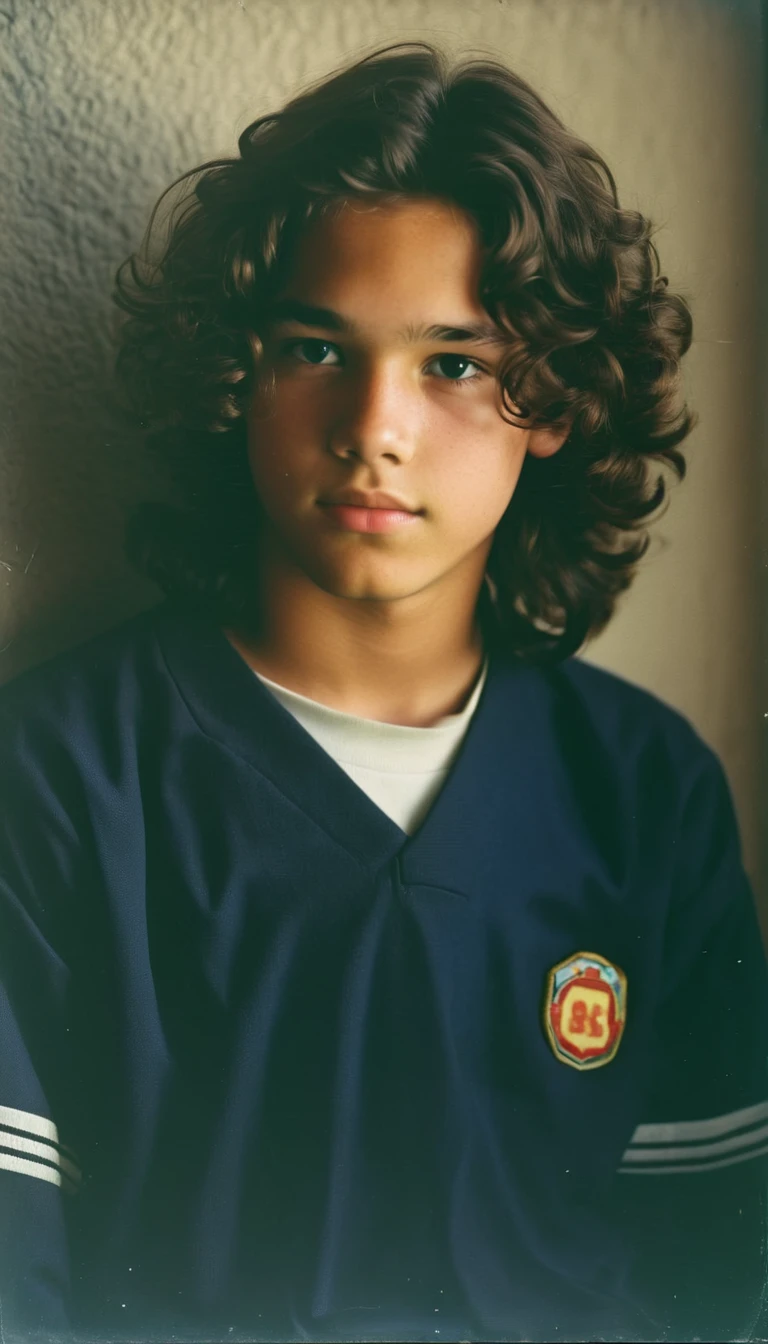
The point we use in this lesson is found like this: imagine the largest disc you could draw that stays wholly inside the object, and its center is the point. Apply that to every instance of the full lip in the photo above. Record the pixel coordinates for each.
(377, 499)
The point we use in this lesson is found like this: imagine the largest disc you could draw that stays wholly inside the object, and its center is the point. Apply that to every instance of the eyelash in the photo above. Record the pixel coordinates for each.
(289, 348)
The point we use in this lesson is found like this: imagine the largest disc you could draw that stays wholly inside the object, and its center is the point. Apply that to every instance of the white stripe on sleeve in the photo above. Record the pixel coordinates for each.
(29, 1144)
(697, 1145)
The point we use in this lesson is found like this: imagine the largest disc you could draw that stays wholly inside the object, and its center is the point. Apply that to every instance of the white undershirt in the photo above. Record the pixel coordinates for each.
(402, 769)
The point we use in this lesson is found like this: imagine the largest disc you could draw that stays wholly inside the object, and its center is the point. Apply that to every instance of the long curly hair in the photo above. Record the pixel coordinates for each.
(593, 336)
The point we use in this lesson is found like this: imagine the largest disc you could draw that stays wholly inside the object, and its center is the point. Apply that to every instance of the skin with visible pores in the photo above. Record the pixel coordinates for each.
(381, 624)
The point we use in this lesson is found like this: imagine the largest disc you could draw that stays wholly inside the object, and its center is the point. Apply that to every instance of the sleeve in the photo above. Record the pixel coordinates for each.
(39, 1171)
(693, 1180)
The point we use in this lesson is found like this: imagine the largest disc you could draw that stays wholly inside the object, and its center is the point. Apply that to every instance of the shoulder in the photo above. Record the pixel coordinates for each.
(101, 682)
(628, 720)
(627, 747)
(642, 769)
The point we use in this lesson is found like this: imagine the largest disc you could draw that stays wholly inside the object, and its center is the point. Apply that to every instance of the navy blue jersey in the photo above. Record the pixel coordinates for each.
(272, 1069)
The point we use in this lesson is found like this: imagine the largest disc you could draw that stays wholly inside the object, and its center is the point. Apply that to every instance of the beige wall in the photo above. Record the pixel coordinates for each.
(108, 100)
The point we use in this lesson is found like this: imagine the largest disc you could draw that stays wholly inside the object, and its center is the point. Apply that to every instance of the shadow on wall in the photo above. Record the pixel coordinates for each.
(70, 479)
(71, 468)
(74, 472)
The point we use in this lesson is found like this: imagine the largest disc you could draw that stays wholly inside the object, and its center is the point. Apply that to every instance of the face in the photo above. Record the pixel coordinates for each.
(383, 369)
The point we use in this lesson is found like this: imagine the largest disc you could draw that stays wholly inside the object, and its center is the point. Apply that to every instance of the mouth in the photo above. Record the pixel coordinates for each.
(356, 518)
(373, 499)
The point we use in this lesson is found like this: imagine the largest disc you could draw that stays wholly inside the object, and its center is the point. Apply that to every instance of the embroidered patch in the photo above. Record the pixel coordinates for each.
(585, 1008)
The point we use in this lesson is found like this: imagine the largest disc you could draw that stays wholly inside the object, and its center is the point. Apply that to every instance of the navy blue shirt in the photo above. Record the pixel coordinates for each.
(272, 1069)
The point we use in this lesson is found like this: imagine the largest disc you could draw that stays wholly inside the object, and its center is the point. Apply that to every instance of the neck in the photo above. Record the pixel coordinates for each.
(410, 661)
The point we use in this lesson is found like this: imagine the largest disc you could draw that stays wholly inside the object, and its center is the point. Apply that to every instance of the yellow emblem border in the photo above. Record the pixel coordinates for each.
(587, 1064)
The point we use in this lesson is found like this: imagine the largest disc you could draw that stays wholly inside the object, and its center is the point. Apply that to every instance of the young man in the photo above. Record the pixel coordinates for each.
(373, 968)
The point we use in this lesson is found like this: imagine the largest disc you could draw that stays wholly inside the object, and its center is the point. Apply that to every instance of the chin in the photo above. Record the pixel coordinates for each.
(368, 586)
(366, 591)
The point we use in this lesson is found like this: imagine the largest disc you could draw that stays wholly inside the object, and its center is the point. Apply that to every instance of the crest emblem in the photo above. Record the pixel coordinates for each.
(585, 1008)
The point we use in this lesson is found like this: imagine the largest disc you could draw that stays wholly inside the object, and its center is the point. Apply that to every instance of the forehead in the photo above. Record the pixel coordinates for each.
(409, 257)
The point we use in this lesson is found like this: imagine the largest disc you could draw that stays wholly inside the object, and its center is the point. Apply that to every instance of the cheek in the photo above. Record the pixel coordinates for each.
(270, 472)
(293, 417)
(276, 449)
(475, 465)
(481, 500)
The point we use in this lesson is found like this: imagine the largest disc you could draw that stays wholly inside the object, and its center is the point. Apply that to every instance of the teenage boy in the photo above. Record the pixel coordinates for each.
(374, 968)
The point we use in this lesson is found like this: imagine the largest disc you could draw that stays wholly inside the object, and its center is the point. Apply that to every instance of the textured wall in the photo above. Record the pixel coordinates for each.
(105, 101)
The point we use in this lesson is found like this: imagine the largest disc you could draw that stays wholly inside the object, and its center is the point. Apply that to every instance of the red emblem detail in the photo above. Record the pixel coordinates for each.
(585, 1010)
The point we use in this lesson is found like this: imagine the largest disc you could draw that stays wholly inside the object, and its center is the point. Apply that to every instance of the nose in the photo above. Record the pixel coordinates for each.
(376, 416)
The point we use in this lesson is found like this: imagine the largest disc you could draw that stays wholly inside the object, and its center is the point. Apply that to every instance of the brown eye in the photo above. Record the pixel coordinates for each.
(455, 368)
(309, 350)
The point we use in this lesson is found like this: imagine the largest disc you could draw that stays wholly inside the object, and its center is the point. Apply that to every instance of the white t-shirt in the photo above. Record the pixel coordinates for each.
(402, 769)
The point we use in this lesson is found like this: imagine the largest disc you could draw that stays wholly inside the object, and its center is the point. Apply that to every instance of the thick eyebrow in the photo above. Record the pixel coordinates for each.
(325, 319)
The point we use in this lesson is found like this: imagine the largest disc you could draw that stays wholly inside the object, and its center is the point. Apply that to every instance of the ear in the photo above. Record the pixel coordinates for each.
(545, 441)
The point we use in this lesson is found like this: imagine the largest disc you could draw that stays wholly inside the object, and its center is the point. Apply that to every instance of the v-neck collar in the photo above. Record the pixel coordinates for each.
(487, 791)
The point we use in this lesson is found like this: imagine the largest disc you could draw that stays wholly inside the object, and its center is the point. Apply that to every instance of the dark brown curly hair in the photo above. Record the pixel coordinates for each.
(594, 337)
